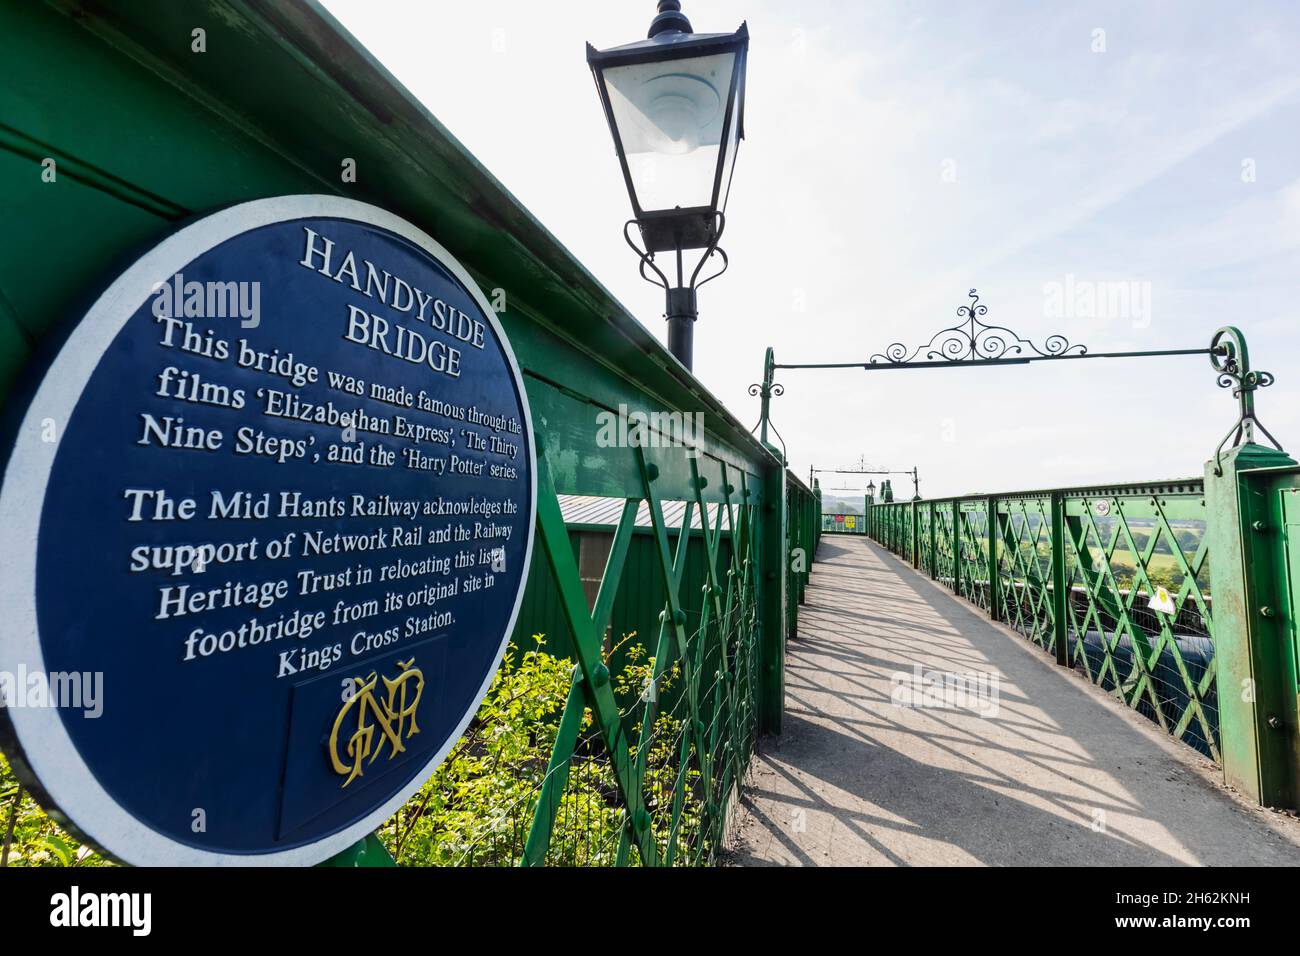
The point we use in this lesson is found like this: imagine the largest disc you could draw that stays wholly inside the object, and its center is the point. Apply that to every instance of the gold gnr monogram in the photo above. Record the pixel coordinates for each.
(378, 722)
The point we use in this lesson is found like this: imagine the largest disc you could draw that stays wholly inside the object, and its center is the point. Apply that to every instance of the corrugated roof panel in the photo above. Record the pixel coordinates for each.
(594, 510)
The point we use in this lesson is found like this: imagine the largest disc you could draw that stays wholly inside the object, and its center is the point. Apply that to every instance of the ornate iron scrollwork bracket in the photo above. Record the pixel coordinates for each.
(662, 280)
(1231, 360)
(681, 307)
(975, 341)
(765, 390)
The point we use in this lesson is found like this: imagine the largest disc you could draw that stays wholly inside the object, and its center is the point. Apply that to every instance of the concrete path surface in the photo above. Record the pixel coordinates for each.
(1049, 771)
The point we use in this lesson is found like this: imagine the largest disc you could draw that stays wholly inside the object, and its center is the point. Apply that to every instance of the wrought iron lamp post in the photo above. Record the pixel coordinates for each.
(675, 104)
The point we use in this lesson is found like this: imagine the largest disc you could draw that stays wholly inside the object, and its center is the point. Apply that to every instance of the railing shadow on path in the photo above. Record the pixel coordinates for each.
(1058, 774)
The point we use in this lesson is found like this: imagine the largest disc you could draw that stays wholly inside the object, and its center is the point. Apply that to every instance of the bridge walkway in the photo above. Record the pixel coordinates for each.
(1048, 771)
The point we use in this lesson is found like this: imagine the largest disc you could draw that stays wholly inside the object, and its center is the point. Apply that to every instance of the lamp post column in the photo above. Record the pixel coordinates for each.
(681, 313)
(671, 95)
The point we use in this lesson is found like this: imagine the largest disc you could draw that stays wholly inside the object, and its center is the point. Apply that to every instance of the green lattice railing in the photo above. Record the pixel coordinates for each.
(669, 747)
(649, 752)
(1080, 573)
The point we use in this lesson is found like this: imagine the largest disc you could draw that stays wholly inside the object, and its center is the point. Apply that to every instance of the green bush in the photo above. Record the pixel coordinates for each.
(477, 807)
(30, 836)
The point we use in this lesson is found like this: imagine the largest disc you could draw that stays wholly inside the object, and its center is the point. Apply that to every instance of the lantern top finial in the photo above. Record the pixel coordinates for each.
(669, 19)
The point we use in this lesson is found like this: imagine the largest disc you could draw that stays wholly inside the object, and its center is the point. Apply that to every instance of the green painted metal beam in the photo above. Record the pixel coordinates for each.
(1256, 697)
(772, 579)
(1060, 595)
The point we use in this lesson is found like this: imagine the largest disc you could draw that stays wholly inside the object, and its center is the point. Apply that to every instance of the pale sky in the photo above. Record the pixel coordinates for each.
(900, 153)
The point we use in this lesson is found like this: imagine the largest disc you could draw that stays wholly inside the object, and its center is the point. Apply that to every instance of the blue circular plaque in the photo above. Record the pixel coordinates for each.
(269, 512)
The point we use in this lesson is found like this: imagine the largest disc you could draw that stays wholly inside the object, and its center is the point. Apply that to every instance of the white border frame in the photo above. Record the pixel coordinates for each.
(47, 749)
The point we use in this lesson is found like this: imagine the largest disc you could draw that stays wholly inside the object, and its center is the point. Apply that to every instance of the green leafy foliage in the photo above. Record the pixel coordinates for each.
(478, 806)
(36, 839)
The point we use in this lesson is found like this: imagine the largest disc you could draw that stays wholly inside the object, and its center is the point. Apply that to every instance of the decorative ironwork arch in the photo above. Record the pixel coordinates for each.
(976, 341)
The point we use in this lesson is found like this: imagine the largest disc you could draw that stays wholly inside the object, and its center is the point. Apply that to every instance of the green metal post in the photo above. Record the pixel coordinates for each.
(772, 596)
(995, 581)
(916, 534)
(765, 392)
(814, 523)
(817, 527)
(809, 546)
(805, 529)
(1257, 714)
(956, 547)
(801, 521)
(934, 550)
(1060, 597)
